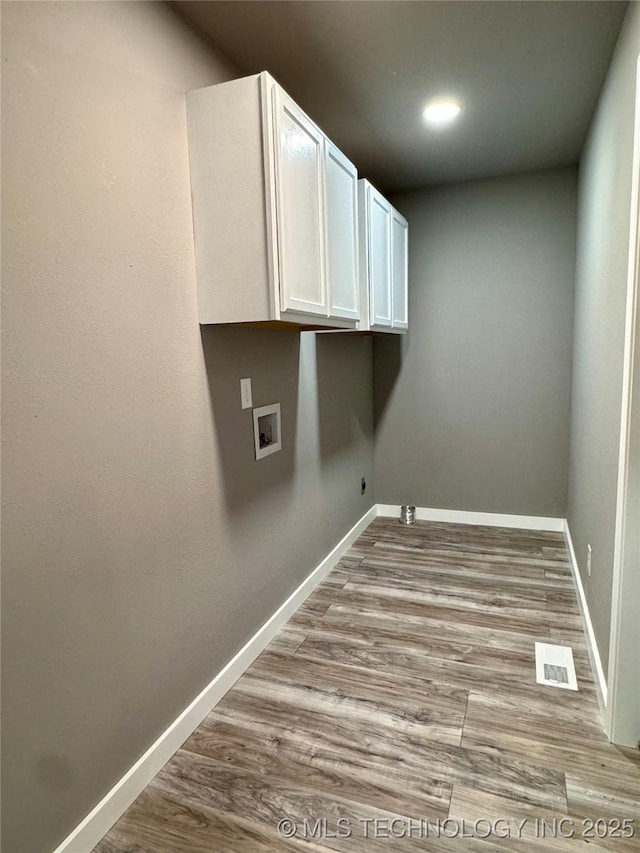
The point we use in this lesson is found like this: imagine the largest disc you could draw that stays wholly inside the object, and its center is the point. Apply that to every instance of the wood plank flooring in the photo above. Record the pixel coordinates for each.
(398, 710)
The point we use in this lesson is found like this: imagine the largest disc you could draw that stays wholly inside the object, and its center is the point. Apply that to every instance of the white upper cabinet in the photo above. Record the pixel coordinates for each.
(341, 229)
(274, 210)
(379, 259)
(399, 271)
(298, 153)
(383, 263)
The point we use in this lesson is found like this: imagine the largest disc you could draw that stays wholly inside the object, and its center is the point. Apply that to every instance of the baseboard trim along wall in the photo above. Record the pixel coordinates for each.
(100, 820)
(592, 644)
(490, 519)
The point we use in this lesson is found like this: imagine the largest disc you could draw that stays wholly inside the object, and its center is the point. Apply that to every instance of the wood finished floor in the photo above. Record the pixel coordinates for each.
(404, 687)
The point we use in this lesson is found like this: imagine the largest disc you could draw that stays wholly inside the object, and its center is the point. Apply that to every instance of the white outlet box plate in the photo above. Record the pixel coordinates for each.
(245, 393)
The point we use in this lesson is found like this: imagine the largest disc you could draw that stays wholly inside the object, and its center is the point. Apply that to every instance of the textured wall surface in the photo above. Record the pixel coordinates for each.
(142, 543)
(601, 281)
(472, 408)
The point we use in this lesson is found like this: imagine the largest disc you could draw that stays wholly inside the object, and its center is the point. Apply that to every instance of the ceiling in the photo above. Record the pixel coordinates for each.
(527, 74)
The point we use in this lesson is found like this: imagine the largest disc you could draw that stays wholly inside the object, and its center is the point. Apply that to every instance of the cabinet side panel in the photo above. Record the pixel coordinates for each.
(228, 194)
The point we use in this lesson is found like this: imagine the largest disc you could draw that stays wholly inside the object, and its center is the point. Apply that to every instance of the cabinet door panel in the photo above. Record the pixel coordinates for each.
(341, 231)
(379, 259)
(299, 156)
(399, 271)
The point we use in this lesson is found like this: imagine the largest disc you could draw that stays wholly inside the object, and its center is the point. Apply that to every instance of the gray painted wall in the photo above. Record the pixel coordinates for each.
(472, 407)
(601, 279)
(623, 696)
(142, 543)
(629, 643)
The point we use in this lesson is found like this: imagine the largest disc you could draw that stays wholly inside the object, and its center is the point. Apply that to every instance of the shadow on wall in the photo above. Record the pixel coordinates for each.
(270, 358)
(388, 353)
(345, 403)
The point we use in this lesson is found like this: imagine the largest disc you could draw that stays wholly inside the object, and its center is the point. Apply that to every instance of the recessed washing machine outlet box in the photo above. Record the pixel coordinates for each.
(266, 430)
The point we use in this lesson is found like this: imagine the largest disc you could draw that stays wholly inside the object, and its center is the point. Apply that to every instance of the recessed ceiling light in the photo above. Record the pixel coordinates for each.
(442, 111)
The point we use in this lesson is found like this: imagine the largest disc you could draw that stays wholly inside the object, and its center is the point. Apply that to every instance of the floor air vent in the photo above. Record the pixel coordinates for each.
(554, 666)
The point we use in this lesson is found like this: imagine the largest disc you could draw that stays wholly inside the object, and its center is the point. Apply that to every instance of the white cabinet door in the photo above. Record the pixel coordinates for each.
(299, 207)
(379, 213)
(399, 270)
(341, 234)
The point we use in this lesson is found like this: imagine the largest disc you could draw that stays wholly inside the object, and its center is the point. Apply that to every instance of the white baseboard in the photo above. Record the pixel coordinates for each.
(592, 645)
(100, 820)
(491, 519)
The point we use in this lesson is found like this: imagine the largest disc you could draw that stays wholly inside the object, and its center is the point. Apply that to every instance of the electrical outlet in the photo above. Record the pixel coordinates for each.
(589, 560)
(245, 393)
